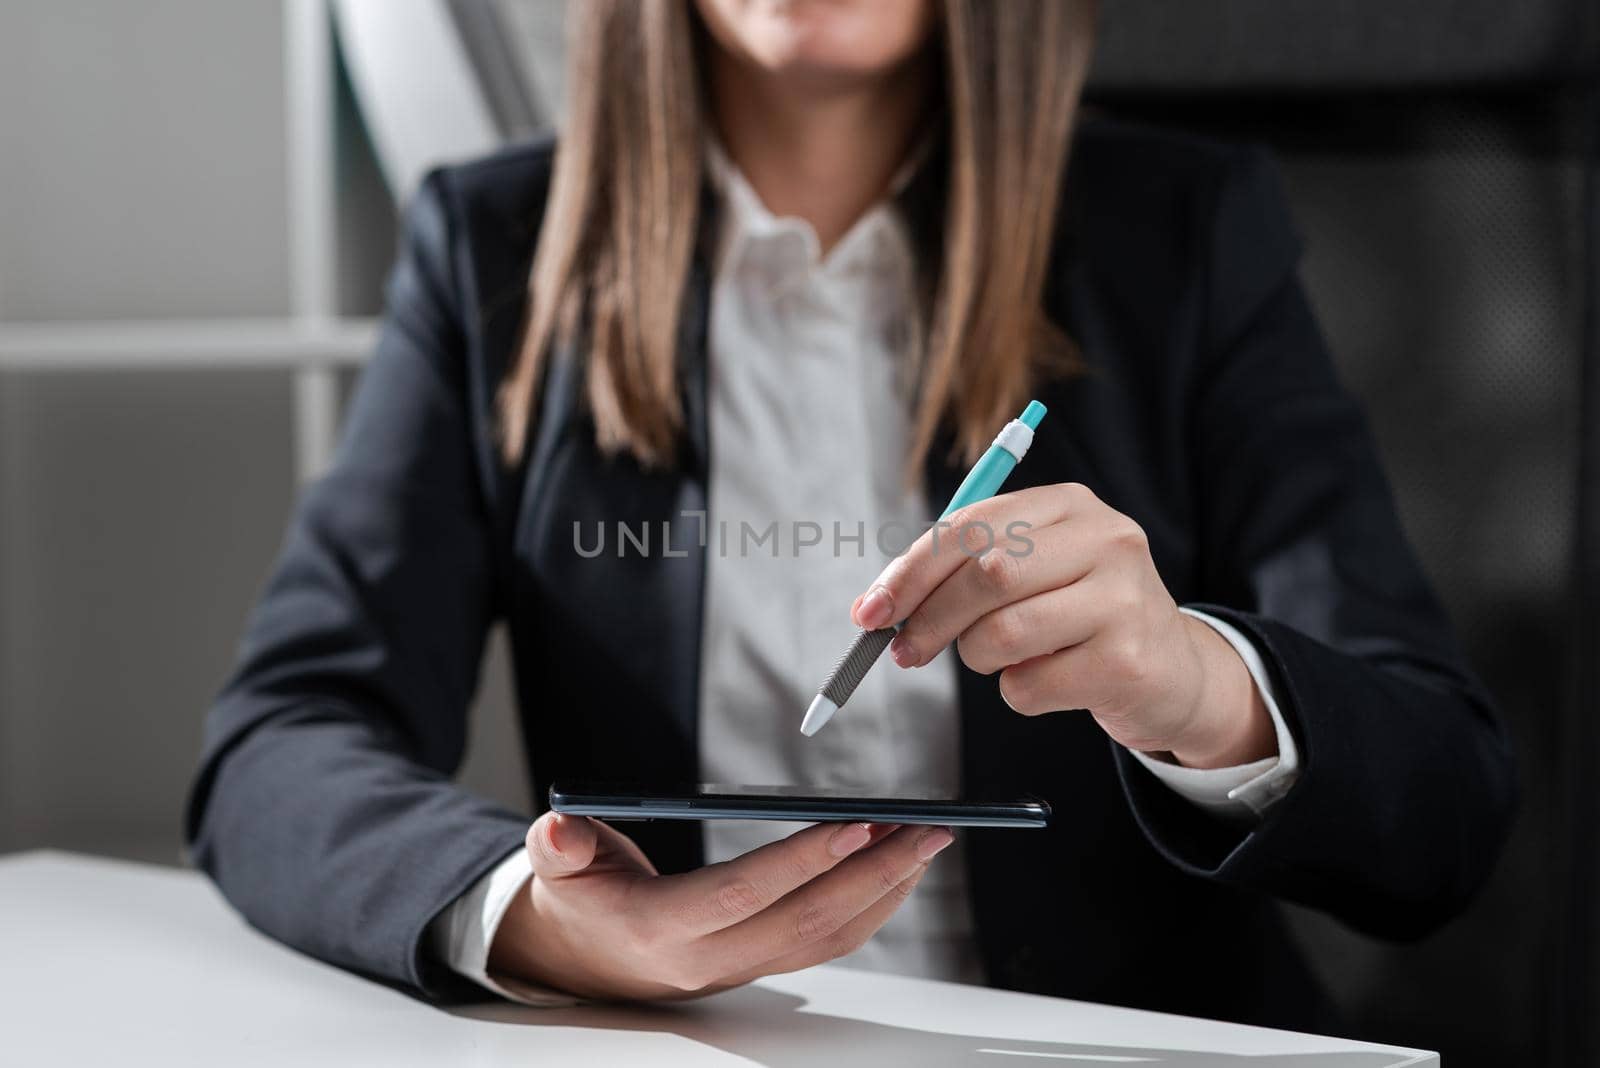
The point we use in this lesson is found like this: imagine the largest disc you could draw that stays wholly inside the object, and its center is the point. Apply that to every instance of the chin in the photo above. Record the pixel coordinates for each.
(826, 40)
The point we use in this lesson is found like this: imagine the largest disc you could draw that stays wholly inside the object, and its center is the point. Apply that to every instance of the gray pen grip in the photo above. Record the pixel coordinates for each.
(855, 663)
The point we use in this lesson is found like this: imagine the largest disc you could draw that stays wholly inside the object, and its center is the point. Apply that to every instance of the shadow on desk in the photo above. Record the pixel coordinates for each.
(768, 1028)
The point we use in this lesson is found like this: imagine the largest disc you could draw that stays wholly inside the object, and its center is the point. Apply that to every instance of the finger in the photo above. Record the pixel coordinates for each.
(1035, 626)
(560, 846)
(721, 895)
(617, 852)
(1015, 569)
(851, 937)
(822, 908)
(935, 556)
(1078, 677)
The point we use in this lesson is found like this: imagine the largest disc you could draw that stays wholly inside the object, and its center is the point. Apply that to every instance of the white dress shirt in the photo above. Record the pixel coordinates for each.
(809, 411)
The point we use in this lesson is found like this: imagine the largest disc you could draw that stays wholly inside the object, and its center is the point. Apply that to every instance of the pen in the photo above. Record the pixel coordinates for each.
(981, 483)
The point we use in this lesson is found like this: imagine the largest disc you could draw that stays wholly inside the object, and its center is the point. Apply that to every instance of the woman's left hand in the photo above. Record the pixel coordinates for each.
(1057, 592)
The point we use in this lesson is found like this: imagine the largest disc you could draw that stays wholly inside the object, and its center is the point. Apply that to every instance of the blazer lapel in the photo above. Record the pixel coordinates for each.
(612, 637)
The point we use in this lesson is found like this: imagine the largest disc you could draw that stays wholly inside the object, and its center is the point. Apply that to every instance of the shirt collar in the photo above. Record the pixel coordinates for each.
(877, 242)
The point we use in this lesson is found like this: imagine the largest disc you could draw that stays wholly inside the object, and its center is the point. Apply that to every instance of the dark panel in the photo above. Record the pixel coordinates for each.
(1342, 44)
(1445, 261)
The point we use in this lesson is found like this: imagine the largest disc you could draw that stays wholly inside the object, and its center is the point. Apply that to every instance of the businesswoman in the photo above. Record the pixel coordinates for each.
(789, 270)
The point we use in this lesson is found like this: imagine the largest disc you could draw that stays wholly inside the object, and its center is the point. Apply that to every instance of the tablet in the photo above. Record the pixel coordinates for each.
(713, 801)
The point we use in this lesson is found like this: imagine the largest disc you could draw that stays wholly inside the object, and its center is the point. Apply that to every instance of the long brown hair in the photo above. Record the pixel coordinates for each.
(622, 217)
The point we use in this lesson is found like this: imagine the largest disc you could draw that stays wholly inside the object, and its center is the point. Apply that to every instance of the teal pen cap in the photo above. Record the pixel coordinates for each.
(981, 483)
(989, 473)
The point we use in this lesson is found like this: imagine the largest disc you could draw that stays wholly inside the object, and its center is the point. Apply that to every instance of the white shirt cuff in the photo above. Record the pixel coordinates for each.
(462, 934)
(1240, 794)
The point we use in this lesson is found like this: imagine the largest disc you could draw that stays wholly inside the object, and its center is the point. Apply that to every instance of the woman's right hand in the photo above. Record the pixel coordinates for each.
(597, 921)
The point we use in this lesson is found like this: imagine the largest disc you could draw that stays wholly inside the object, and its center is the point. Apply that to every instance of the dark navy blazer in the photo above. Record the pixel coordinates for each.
(1209, 412)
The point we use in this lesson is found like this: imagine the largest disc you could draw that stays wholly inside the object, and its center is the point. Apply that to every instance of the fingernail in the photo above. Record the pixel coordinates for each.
(550, 836)
(848, 839)
(902, 652)
(876, 609)
(933, 843)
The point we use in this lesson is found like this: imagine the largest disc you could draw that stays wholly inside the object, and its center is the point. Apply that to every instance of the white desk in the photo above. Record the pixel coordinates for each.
(108, 963)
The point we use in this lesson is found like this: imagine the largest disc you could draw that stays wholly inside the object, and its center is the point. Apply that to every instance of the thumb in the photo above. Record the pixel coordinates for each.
(559, 846)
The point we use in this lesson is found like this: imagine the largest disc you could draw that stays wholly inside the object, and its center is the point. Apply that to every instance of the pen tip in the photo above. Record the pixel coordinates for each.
(818, 715)
(1032, 415)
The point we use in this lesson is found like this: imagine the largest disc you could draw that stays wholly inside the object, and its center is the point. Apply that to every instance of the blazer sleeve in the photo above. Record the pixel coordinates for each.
(1406, 785)
(323, 807)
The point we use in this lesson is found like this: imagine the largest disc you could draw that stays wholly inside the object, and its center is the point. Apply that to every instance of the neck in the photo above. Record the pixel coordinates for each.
(822, 155)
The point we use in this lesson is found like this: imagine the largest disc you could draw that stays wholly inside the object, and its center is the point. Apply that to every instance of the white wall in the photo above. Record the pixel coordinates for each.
(141, 172)
(142, 175)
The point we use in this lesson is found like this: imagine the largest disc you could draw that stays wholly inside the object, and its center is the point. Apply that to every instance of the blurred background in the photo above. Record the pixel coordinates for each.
(197, 208)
